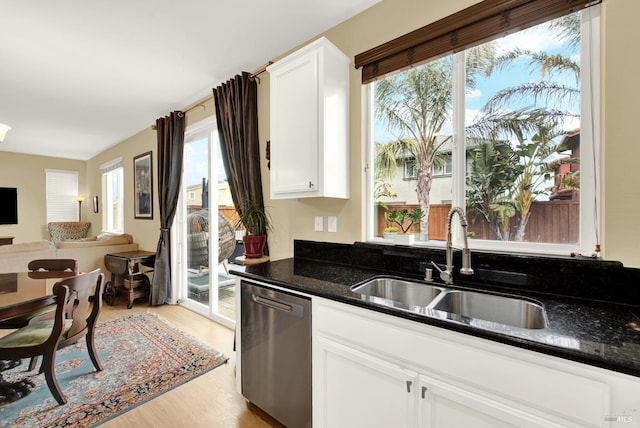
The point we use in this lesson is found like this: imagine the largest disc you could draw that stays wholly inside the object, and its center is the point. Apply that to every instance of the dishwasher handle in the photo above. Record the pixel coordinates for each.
(279, 305)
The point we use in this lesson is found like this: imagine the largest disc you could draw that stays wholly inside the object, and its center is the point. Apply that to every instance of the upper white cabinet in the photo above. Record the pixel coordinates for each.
(309, 123)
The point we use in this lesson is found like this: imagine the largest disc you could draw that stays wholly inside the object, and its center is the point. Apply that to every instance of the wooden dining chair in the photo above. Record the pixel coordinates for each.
(58, 265)
(40, 338)
(43, 268)
(76, 315)
(83, 310)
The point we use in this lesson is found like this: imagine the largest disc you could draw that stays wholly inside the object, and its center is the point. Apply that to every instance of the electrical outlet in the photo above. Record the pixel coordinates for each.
(317, 223)
(332, 223)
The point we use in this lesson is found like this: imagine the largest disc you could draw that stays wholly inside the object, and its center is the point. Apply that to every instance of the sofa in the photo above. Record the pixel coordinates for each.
(89, 252)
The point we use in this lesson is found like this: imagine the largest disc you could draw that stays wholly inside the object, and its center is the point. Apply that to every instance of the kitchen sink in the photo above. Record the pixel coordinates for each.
(396, 292)
(505, 310)
(457, 305)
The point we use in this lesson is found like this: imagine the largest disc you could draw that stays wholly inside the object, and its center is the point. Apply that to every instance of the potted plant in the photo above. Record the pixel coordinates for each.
(405, 219)
(389, 232)
(256, 223)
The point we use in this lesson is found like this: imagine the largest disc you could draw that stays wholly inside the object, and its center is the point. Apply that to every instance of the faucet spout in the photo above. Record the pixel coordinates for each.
(466, 254)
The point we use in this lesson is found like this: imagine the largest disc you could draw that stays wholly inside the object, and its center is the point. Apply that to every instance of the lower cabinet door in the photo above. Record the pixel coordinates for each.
(358, 390)
(442, 405)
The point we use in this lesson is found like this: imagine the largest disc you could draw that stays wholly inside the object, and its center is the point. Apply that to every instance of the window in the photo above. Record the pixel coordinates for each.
(445, 167)
(112, 196)
(501, 125)
(441, 168)
(410, 169)
(62, 190)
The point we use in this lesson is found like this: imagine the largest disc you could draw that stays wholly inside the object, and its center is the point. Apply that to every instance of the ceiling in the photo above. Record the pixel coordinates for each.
(80, 76)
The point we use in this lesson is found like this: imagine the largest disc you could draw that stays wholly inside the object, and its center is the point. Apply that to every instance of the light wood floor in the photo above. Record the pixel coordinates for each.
(208, 401)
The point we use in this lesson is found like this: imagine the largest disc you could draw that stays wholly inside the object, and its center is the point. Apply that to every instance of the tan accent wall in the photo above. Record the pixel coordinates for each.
(27, 174)
(145, 232)
(619, 128)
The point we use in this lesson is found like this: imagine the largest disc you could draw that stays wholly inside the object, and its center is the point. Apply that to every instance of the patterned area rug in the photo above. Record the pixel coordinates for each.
(143, 356)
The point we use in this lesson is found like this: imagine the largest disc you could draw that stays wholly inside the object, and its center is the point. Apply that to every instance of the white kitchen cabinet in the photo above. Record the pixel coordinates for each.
(309, 123)
(364, 359)
(360, 390)
(443, 405)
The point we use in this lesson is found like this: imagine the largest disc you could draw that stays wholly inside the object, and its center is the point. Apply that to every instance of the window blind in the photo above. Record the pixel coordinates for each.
(62, 190)
(469, 27)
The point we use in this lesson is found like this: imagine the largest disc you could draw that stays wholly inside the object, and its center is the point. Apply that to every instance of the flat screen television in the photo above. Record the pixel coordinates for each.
(8, 205)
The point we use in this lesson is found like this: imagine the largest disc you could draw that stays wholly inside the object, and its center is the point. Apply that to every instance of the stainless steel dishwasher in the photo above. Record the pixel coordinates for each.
(276, 353)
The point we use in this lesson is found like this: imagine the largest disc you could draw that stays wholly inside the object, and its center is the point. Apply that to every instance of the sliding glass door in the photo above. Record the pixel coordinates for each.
(205, 236)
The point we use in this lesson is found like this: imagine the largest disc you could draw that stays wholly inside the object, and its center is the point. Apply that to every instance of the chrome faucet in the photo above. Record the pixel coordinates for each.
(447, 274)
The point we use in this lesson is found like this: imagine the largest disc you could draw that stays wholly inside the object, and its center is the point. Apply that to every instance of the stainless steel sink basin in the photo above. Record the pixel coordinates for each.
(470, 307)
(409, 294)
(510, 311)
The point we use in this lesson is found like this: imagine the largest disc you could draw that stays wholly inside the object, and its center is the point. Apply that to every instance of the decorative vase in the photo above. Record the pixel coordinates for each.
(389, 235)
(404, 239)
(254, 245)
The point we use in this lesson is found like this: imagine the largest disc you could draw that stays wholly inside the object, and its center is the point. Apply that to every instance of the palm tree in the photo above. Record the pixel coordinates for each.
(532, 128)
(415, 105)
(494, 171)
(534, 132)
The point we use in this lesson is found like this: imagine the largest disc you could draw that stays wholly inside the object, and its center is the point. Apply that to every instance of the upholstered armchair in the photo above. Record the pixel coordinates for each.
(66, 230)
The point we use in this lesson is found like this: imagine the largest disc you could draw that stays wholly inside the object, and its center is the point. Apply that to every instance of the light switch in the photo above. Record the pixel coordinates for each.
(317, 224)
(332, 223)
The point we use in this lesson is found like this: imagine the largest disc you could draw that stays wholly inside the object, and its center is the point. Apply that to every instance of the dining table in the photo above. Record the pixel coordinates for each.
(19, 291)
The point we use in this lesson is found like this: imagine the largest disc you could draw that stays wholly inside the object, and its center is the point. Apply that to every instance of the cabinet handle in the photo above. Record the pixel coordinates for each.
(409, 386)
(310, 185)
(424, 391)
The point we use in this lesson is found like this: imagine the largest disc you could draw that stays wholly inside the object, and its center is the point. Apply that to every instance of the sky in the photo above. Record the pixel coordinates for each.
(538, 38)
(196, 162)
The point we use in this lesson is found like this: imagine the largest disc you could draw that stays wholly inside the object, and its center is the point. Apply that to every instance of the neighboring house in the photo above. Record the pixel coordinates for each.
(194, 196)
(403, 184)
(571, 143)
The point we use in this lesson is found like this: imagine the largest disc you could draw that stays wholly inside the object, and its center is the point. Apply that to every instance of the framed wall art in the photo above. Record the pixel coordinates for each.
(143, 185)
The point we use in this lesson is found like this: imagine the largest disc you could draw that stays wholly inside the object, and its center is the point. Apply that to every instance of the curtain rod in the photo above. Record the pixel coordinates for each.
(193, 107)
(253, 75)
(200, 104)
(261, 70)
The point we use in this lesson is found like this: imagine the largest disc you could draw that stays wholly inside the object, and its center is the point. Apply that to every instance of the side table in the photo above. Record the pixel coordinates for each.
(126, 275)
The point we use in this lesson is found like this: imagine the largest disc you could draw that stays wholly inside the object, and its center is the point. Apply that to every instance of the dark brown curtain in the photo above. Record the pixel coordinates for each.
(170, 130)
(237, 115)
(469, 27)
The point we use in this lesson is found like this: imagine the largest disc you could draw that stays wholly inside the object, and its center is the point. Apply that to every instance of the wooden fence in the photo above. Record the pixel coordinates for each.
(554, 222)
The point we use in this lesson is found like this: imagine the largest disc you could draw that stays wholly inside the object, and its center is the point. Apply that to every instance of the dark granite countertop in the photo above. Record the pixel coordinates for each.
(593, 332)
